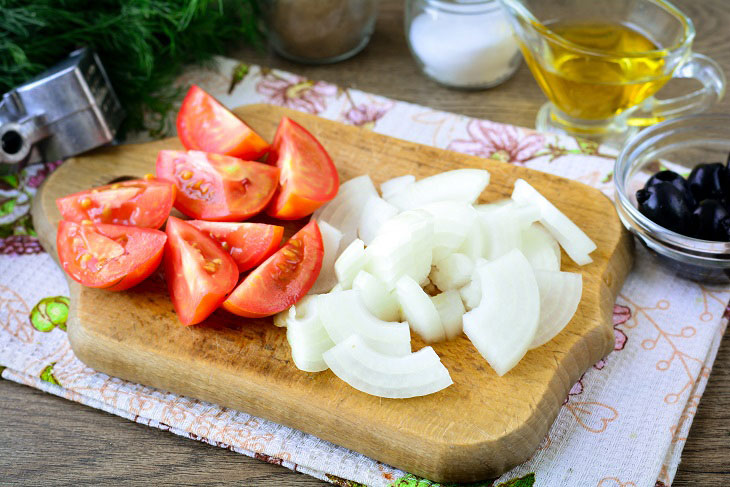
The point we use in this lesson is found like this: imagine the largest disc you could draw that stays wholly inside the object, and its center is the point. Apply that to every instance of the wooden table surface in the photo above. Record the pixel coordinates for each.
(50, 441)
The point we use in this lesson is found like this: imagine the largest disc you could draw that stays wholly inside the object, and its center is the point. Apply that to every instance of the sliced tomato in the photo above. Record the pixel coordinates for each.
(114, 257)
(199, 273)
(308, 176)
(216, 187)
(139, 203)
(283, 279)
(248, 243)
(204, 124)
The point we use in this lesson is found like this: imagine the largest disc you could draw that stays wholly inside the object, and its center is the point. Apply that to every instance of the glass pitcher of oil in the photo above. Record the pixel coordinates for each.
(601, 62)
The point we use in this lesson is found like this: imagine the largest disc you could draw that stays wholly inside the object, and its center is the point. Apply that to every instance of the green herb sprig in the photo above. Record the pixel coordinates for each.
(143, 44)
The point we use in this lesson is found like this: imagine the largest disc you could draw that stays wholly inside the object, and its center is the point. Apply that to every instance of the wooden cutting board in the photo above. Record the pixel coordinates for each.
(475, 429)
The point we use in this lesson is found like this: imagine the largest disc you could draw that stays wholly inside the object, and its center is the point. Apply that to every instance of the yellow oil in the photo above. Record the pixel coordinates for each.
(592, 87)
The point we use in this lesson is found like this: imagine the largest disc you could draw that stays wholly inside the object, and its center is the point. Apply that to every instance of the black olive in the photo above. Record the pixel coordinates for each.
(677, 181)
(665, 205)
(708, 181)
(707, 219)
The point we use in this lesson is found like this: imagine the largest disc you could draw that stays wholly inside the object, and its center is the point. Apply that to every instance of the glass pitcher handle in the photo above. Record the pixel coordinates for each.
(699, 67)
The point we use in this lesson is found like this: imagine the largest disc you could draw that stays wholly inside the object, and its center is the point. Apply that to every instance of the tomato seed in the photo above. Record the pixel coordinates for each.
(106, 212)
(115, 186)
(85, 203)
(149, 176)
(86, 222)
(186, 175)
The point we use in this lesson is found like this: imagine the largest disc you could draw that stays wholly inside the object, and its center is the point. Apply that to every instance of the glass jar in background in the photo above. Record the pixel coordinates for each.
(319, 31)
(462, 43)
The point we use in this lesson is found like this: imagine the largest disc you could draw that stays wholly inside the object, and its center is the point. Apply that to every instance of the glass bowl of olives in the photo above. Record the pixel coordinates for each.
(673, 192)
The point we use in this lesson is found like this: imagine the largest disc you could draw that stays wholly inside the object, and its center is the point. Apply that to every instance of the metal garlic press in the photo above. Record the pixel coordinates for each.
(64, 111)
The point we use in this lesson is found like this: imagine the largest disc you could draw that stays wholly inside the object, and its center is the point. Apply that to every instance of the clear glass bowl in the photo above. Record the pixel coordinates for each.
(680, 144)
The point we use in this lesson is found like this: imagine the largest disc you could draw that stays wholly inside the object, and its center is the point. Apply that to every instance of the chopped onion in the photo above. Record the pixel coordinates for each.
(451, 223)
(403, 246)
(331, 238)
(376, 212)
(503, 326)
(471, 293)
(473, 246)
(280, 318)
(378, 300)
(363, 368)
(418, 310)
(540, 248)
(485, 208)
(344, 314)
(560, 294)
(452, 272)
(575, 242)
(352, 260)
(345, 210)
(451, 311)
(458, 185)
(391, 187)
(306, 335)
(502, 228)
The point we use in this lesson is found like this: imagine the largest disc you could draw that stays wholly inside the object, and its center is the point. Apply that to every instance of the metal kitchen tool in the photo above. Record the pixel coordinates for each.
(64, 111)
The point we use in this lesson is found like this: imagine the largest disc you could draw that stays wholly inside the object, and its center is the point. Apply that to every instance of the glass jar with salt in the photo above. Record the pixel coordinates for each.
(462, 43)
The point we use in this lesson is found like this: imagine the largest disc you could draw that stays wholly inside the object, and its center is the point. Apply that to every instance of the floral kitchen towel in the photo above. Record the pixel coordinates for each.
(623, 423)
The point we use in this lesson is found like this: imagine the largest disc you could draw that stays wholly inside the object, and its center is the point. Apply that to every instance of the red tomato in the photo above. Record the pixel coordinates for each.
(308, 177)
(248, 243)
(114, 257)
(204, 124)
(199, 273)
(216, 187)
(139, 203)
(283, 279)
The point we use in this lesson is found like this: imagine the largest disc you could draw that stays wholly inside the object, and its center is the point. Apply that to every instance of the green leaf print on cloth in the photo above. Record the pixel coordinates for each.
(49, 313)
(47, 374)
(411, 480)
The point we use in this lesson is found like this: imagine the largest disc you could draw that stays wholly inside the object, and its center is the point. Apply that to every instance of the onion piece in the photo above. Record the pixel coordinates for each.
(471, 293)
(418, 310)
(452, 272)
(377, 299)
(575, 242)
(502, 227)
(473, 246)
(504, 324)
(344, 314)
(391, 187)
(367, 370)
(486, 208)
(352, 260)
(331, 238)
(306, 335)
(345, 210)
(540, 248)
(451, 223)
(451, 311)
(376, 212)
(458, 185)
(560, 294)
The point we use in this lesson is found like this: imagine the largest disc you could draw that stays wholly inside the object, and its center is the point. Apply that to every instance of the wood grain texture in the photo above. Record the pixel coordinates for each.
(47, 440)
(485, 423)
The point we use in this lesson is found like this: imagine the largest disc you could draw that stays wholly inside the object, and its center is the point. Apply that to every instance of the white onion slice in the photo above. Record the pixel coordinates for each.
(417, 374)
(376, 212)
(458, 185)
(560, 294)
(344, 314)
(391, 187)
(331, 238)
(473, 246)
(452, 272)
(418, 310)
(575, 242)
(378, 300)
(452, 221)
(307, 336)
(352, 260)
(540, 248)
(502, 227)
(451, 311)
(471, 293)
(345, 210)
(485, 208)
(503, 325)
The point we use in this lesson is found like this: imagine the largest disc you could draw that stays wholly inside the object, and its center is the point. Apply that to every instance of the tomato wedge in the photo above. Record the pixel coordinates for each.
(204, 124)
(216, 187)
(283, 279)
(139, 203)
(199, 273)
(248, 243)
(113, 257)
(308, 177)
